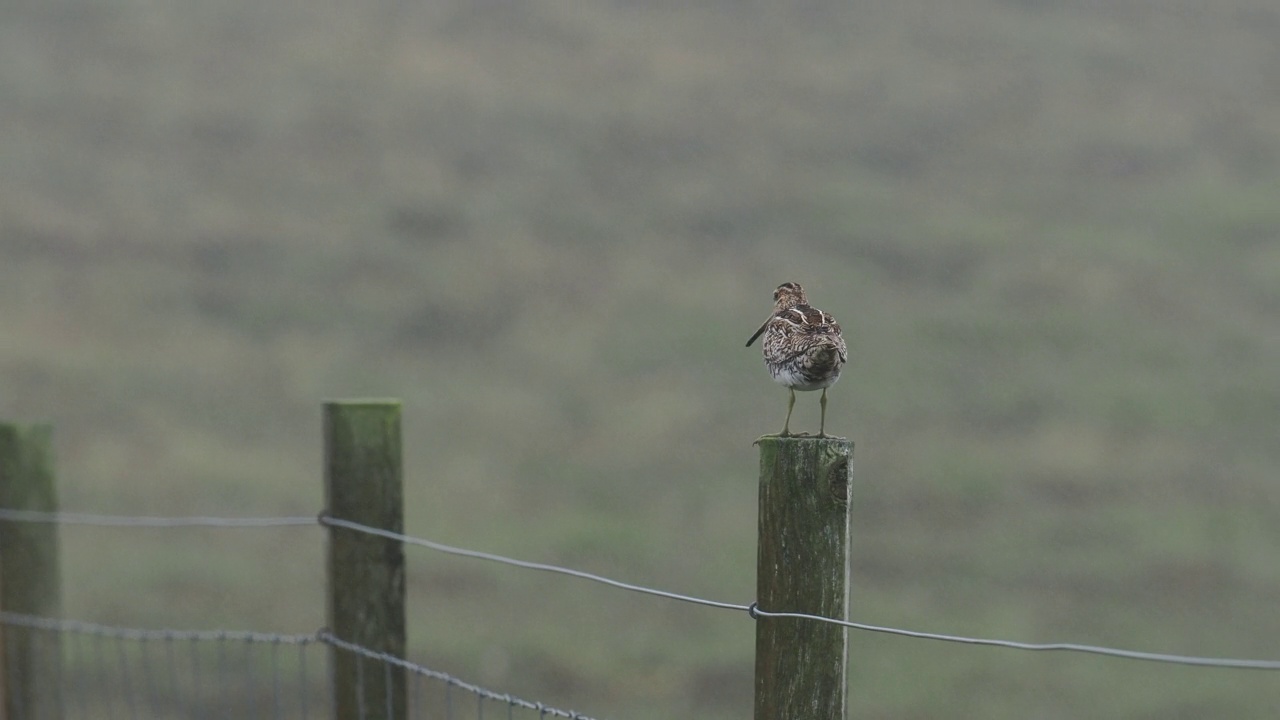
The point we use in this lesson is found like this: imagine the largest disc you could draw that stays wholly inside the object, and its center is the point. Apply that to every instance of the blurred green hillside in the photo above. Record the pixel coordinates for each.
(1050, 230)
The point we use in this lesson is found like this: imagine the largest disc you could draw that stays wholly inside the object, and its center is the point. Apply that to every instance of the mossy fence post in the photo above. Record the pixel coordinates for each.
(364, 484)
(802, 566)
(30, 660)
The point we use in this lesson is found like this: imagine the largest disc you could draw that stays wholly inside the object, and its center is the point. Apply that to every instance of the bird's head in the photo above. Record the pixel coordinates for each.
(787, 296)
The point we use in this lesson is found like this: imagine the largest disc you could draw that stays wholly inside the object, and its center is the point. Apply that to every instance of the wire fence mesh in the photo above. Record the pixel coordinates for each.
(108, 673)
(105, 672)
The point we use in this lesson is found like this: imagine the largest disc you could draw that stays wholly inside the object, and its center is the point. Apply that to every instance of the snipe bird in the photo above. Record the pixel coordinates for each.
(803, 348)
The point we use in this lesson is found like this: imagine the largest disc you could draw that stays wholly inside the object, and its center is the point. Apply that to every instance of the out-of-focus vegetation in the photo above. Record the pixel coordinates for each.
(1051, 231)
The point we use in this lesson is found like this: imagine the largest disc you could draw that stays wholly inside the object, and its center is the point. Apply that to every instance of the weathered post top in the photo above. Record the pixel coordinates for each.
(802, 567)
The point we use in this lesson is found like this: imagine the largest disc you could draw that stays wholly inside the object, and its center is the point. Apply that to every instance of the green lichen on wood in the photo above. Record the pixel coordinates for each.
(364, 483)
(802, 566)
(29, 573)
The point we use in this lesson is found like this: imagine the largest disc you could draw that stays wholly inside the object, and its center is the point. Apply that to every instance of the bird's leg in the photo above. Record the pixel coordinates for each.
(822, 424)
(786, 426)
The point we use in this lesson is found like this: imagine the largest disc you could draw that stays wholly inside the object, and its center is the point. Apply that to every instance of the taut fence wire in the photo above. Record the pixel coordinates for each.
(751, 609)
(755, 612)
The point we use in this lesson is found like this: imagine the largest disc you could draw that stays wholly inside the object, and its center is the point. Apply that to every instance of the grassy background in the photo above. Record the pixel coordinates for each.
(1050, 230)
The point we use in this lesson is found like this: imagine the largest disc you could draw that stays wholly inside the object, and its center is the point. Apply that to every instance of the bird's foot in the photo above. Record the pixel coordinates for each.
(789, 434)
(776, 436)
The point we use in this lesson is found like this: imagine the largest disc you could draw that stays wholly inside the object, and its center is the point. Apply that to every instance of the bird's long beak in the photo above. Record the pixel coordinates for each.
(759, 332)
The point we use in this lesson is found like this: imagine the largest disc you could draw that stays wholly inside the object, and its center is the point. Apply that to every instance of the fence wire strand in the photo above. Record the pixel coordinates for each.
(476, 554)
(756, 612)
(449, 680)
(1038, 647)
(128, 633)
(64, 518)
(752, 609)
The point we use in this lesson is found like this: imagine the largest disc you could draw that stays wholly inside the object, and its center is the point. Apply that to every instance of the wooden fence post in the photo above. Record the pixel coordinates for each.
(802, 566)
(30, 660)
(366, 604)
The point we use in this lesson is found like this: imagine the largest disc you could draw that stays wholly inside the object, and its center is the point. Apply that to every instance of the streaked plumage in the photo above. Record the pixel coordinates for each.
(803, 348)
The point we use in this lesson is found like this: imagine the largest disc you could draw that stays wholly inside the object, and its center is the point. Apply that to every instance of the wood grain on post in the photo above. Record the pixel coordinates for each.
(802, 566)
(30, 660)
(364, 484)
